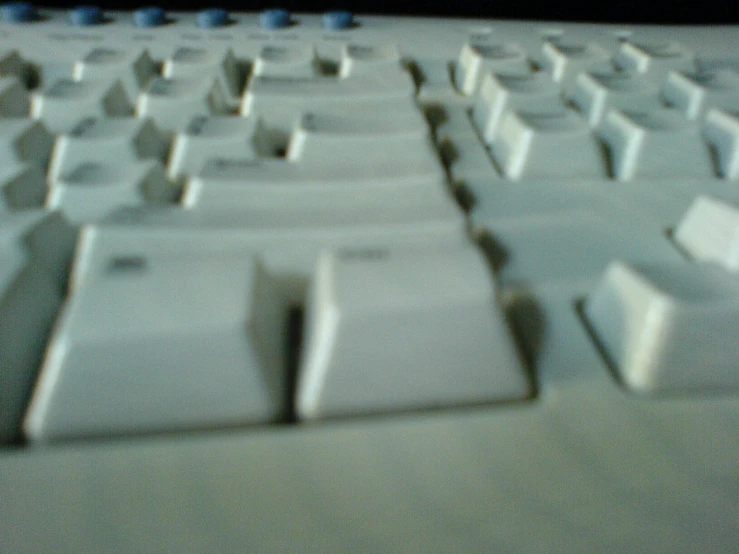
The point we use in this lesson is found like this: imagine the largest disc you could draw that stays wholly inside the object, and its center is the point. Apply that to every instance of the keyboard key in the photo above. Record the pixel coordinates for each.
(655, 144)
(14, 98)
(281, 100)
(134, 68)
(21, 187)
(25, 141)
(478, 59)
(121, 141)
(207, 138)
(35, 251)
(363, 59)
(172, 103)
(183, 343)
(596, 93)
(722, 131)
(415, 316)
(565, 61)
(91, 190)
(369, 139)
(654, 60)
(499, 93)
(62, 105)
(709, 232)
(294, 60)
(668, 328)
(693, 94)
(554, 145)
(191, 63)
(241, 184)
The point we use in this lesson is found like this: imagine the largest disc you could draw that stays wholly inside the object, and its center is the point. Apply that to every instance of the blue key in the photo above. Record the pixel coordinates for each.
(18, 12)
(86, 15)
(338, 20)
(149, 17)
(213, 17)
(275, 19)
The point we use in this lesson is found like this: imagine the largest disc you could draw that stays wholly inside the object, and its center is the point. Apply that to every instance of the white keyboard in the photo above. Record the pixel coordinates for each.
(277, 282)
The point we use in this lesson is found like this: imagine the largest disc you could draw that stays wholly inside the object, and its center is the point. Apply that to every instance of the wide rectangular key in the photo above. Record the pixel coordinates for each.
(235, 184)
(282, 99)
(401, 332)
(183, 343)
(288, 237)
(342, 138)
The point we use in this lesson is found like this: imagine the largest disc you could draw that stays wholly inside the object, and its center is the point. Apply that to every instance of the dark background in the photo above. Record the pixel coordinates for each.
(627, 11)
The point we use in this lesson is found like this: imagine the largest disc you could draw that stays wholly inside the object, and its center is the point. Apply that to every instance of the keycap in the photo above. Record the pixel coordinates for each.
(654, 144)
(18, 12)
(722, 132)
(499, 93)
(554, 145)
(121, 141)
(93, 189)
(237, 184)
(709, 232)
(668, 328)
(25, 141)
(14, 98)
(479, 59)
(35, 251)
(206, 138)
(693, 94)
(369, 59)
(197, 344)
(338, 20)
(281, 100)
(171, 103)
(153, 16)
(288, 60)
(86, 15)
(62, 105)
(565, 61)
(21, 187)
(335, 138)
(190, 63)
(596, 93)
(212, 18)
(274, 19)
(134, 68)
(654, 59)
(415, 316)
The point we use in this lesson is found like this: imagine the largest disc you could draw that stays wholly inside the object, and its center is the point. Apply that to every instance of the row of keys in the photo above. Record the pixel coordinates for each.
(653, 323)
(272, 19)
(628, 145)
(236, 302)
(594, 94)
(564, 61)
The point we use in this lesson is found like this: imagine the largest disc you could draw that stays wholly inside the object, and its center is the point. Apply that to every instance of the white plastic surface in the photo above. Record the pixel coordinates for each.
(584, 465)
